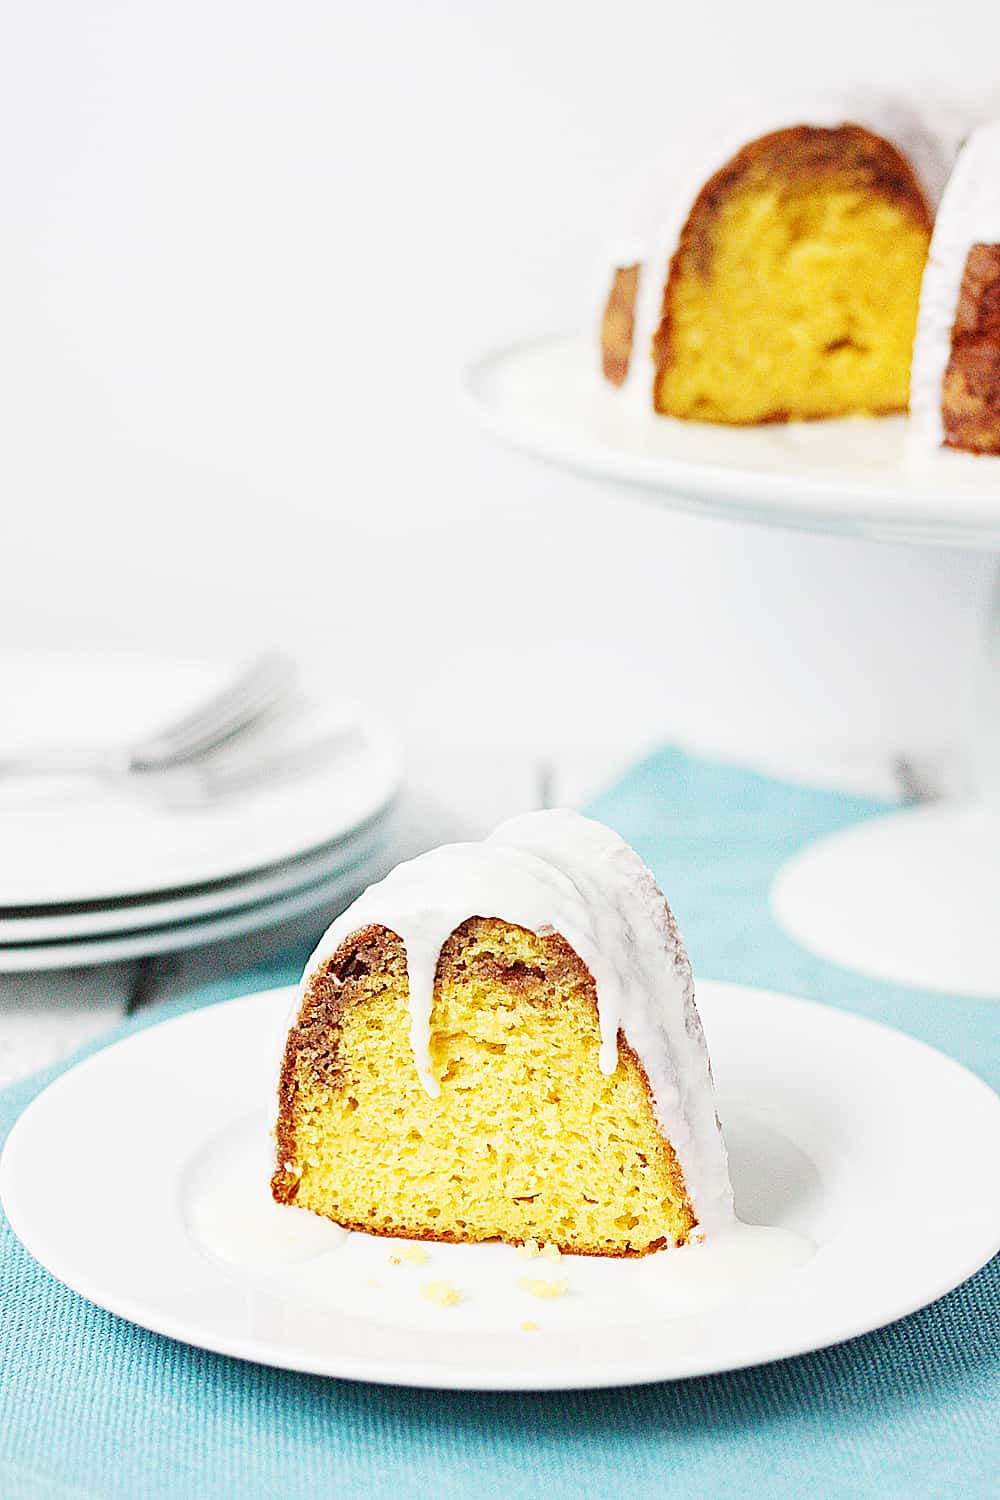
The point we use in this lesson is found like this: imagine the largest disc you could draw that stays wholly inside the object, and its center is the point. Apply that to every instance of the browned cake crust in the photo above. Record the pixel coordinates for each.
(314, 1040)
(847, 154)
(970, 396)
(618, 324)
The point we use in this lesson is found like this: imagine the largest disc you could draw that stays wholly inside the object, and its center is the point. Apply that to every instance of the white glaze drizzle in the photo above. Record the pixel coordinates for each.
(559, 872)
(969, 214)
(929, 138)
(229, 1209)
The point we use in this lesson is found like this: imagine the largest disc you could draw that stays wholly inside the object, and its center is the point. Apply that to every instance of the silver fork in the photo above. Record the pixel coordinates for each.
(194, 784)
(219, 718)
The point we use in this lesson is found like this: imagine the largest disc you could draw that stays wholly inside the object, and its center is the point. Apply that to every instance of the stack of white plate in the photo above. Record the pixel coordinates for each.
(94, 871)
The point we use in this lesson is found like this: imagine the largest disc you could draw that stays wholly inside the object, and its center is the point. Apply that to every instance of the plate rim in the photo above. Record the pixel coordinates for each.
(916, 513)
(475, 1376)
(381, 746)
(214, 898)
(197, 932)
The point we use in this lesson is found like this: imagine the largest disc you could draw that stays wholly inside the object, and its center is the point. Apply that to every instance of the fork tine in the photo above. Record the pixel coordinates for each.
(220, 717)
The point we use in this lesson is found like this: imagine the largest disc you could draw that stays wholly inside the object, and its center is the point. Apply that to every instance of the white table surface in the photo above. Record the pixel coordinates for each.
(449, 795)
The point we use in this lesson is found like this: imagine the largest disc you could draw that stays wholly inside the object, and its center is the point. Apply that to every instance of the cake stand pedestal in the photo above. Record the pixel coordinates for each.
(912, 897)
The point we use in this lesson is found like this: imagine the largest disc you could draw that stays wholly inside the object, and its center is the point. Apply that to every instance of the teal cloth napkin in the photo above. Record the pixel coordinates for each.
(90, 1406)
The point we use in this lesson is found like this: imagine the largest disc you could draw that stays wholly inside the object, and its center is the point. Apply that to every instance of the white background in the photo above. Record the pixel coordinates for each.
(246, 248)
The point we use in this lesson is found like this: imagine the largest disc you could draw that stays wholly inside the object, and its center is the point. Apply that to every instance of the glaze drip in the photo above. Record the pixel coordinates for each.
(969, 214)
(559, 872)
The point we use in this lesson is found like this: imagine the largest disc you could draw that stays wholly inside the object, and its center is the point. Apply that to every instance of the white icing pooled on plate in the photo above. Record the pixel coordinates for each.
(229, 1210)
(969, 215)
(648, 235)
(559, 872)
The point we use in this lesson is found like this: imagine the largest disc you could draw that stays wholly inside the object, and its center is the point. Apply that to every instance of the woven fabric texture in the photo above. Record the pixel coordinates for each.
(91, 1406)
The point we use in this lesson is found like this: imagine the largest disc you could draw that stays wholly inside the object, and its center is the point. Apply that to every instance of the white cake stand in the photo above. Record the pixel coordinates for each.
(912, 897)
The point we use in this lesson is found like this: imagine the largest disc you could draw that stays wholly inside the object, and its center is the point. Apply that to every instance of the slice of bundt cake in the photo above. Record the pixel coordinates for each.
(786, 285)
(500, 1041)
(956, 359)
(793, 291)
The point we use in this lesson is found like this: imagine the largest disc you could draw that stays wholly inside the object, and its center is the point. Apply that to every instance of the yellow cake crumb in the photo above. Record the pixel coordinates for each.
(441, 1292)
(375, 1283)
(529, 1326)
(587, 1166)
(551, 1252)
(793, 293)
(414, 1255)
(548, 1290)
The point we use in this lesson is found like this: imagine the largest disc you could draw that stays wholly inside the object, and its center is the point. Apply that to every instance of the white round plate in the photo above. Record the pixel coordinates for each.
(328, 895)
(71, 840)
(49, 925)
(837, 1129)
(548, 398)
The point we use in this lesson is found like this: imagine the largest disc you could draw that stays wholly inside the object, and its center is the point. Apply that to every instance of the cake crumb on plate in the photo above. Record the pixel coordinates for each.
(414, 1255)
(441, 1292)
(545, 1289)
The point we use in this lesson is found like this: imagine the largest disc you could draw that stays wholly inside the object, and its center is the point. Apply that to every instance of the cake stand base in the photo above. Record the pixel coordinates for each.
(912, 897)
